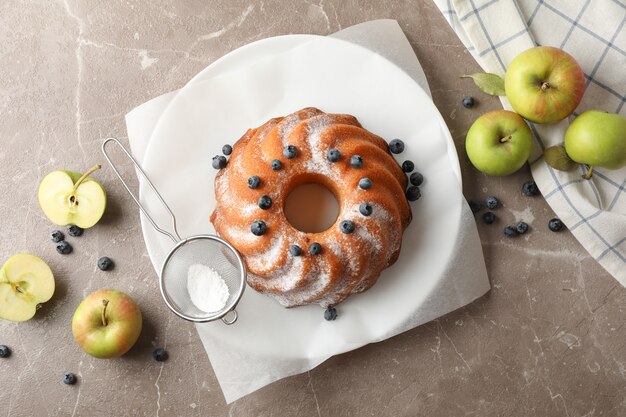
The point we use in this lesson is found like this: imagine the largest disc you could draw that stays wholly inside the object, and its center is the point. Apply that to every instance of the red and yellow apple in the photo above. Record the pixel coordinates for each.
(544, 84)
(107, 323)
(499, 142)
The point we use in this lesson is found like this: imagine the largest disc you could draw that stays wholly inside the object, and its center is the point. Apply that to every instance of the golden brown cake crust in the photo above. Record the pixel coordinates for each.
(348, 262)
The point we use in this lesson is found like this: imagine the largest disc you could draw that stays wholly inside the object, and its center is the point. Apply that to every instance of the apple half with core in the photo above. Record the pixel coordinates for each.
(25, 282)
(597, 139)
(71, 198)
(499, 142)
(107, 323)
(544, 84)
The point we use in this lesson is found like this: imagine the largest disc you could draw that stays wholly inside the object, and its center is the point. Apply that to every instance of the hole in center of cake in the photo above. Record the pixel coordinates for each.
(311, 208)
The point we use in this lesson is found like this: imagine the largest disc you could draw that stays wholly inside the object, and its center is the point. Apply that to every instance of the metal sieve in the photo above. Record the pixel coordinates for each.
(208, 250)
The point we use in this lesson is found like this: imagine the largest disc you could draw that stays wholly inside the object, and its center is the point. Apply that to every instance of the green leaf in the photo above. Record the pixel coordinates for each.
(491, 84)
(557, 158)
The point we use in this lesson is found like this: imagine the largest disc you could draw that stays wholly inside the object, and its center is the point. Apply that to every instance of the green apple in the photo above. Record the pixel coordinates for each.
(597, 139)
(107, 323)
(544, 84)
(499, 142)
(25, 282)
(71, 198)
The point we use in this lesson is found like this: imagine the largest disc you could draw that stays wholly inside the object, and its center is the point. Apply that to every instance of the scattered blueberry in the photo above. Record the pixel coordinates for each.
(315, 248)
(365, 209)
(5, 352)
(333, 155)
(413, 193)
(265, 202)
(219, 162)
(290, 152)
(510, 231)
(160, 355)
(330, 313)
(356, 161)
(489, 217)
(276, 165)
(474, 206)
(64, 248)
(521, 227)
(347, 226)
(396, 146)
(365, 183)
(253, 182)
(105, 263)
(258, 228)
(295, 250)
(468, 102)
(227, 149)
(69, 378)
(555, 225)
(491, 202)
(416, 179)
(57, 236)
(74, 231)
(530, 188)
(408, 166)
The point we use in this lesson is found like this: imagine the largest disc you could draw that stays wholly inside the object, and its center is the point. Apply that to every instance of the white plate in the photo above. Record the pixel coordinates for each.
(337, 77)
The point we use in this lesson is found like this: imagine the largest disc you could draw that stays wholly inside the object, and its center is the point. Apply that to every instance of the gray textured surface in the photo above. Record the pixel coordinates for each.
(548, 340)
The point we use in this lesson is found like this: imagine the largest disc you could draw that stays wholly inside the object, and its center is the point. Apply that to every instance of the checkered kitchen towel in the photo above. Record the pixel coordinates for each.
(594, 32)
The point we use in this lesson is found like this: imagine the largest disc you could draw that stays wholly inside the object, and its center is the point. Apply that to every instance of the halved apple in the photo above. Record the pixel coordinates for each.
(25, 282)
(68, 197)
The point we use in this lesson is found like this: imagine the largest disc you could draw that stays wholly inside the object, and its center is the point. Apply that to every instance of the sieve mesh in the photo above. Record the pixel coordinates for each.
(210, 251)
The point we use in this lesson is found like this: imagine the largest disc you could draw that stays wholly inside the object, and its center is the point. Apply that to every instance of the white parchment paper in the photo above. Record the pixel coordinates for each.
(437, 272)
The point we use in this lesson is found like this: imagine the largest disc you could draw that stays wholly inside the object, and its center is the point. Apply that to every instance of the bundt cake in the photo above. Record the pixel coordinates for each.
(310, 146)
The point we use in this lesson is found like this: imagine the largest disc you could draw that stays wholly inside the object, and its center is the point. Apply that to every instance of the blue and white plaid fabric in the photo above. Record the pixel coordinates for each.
(594, 32)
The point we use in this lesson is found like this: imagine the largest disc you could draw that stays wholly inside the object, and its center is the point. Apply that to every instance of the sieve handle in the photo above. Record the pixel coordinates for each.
(175, 237)
(232, 319)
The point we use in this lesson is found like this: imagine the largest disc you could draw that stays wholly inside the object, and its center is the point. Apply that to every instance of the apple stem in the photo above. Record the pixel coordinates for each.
(587, 175)
(506, 138)
(545, 85)
(105, 303)
(85, 175)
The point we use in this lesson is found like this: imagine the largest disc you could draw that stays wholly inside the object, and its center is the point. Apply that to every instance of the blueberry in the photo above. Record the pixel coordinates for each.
(64, 248)
(315, 248)
(510, 231)
(521, 227)
(416, 179)
(474, 206)
(489, 217)
(258, 228)
(468, 102)
(530, 188)
(276, 165)
(57, 236)
(555, 225)
(356, 161)
(5, 352)
(365, 209)
(295, 250)
(365, 183)
(408, 166)
(290, 152)
(227, 149)
(160, 355)
(74, 231)
(219, 162)
(105, 263)
(413, 193)
(330, 313)
(254, 182)
(333, 155)
(265, 202)
(396, 146)
(69, 378)
(491, 202)
(347, 227)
